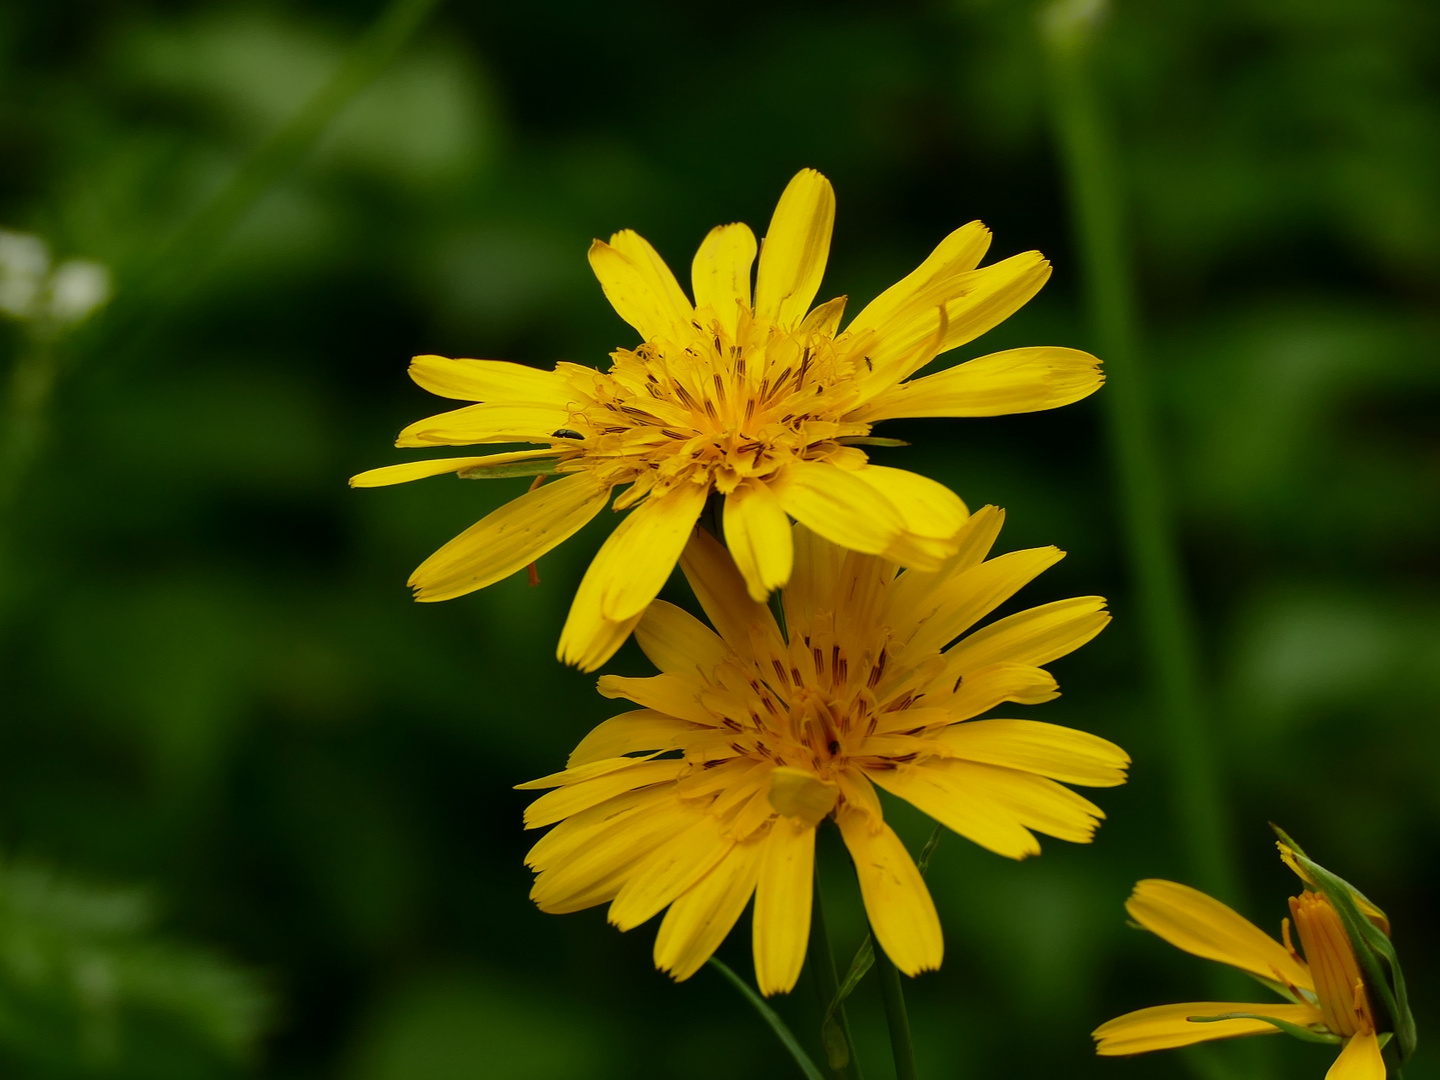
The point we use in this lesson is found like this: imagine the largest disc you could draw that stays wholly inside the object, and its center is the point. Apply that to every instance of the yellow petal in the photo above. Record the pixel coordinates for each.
(792, 258)
(982, 690)
(637, 731)
(506, 540)
(927, 508)
(1203, 926)
(802, 795)
(697, 922)
(1034, 637)
(722, 593)
(1016, 381)
(721, 273)
(677, 642)
(1164, 1026)
(783, 895)
(898, 904)
(628, 571)
(1360, 1060)
(640, 287)
(556, 805)
(909, 597)
(958, 253)
(947, 314)
(489, 422)
(757, 532)
(668, 871)
(488, 380)
(674, 695)
(565, 840)
(957, 604)
(1061, 753)
(836, 504)
(419, 470)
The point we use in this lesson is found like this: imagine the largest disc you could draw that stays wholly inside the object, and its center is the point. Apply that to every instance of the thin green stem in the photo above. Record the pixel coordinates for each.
(771, 1017)
(32, 380)
(839, 1045)
(1167, 629)
(895, 1015)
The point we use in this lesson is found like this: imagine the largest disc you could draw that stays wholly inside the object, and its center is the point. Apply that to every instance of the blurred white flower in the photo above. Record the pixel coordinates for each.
(29, 289)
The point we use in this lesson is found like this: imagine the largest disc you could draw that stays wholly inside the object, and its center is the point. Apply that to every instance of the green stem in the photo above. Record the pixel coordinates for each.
(32, 380)
(822, 963)
(895, 1014)
(771, 1017)
(1167, 629)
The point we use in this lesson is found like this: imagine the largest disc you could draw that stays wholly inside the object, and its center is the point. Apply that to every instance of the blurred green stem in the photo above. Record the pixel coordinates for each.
(31, 381)
(1069, 29)
(895, 1014)
(822, 962)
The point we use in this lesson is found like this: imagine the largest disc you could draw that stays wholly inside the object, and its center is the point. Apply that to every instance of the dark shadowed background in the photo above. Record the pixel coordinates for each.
(255, 804)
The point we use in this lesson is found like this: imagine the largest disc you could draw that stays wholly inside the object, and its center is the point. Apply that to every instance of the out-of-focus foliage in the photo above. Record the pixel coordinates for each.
(213, 682)
(88, 988)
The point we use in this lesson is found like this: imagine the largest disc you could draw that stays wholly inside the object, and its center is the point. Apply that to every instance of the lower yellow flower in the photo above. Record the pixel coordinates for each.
(1328, 995)
(749, 738)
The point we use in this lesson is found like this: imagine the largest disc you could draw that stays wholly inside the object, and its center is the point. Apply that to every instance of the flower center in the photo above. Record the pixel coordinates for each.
(715, 409)
(1339, 987)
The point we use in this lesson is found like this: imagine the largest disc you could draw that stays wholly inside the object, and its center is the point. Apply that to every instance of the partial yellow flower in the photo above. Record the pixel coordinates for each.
(749, 738)
(759, 399)
(1327, 996)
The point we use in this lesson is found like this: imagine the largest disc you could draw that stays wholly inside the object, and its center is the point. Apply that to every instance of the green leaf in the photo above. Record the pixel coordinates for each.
(771, 1017)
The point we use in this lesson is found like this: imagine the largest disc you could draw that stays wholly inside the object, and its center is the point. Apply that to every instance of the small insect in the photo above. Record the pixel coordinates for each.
(565, 433)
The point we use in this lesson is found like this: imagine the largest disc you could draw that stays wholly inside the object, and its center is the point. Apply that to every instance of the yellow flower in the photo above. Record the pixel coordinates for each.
(761, 400)
(1328, 997)
(746, 741)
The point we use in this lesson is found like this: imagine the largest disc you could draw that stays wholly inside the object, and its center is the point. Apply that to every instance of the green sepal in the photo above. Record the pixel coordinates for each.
(1372, 946)
(869, 440)
(831, 1033)
(1302, 1033)
(542, 467)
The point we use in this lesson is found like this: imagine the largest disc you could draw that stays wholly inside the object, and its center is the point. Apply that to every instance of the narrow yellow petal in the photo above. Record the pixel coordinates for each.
(909, 596)
(1061, 753)
(792, 259)
(1360, 1060)
(948, 313)
(783, 896)
(981, 690)
(1203, 926)
(1016, 381)
(640, 287)
(958, 253)
(757, 532)
(419, 470)
(575, 774)
(556, 805)
(943, 795)
(697, 922)
(957, 604)
(674, 695)
(677, 642)
(1035, 637)
(489, 422)
(634, 732)
(899, 906)
(722, 593)
(506, 540)
(927, 508)
(668, 871)
(1165, 1026)
(721, 273)
(628, 571)
(488, 380)
(581, 831)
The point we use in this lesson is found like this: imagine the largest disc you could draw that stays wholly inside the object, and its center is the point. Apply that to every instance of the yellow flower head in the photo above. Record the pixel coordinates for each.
(750, 737)
(1327, 997)
(757, 398)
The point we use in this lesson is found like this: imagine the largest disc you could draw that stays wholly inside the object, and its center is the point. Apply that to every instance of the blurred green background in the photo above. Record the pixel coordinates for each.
(255, 805)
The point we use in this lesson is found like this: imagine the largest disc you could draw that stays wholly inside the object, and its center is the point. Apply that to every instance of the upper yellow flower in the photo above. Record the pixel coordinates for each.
(750, 737)
(759, 399)
(1329, 998)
